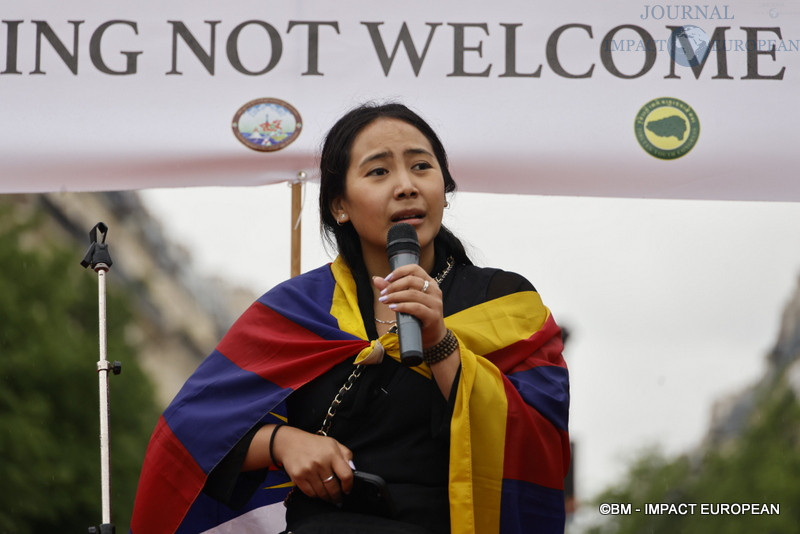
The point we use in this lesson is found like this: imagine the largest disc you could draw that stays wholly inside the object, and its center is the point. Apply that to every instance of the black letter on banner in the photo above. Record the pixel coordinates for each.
(233, 47)
(511, 55)
(313, 43)
(96, 53)
(717, 42)
(70, 60)
(459, 48)
(649, 51)
(206, 58)
(552, 51)
(11, 46)
(753, 52)
(408, 43)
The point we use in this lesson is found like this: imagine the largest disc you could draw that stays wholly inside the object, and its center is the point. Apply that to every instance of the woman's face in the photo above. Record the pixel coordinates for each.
(393, 177)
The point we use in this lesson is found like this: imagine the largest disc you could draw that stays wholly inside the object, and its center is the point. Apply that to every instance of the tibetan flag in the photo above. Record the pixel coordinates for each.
(282, 341)
(509, 443)
(509, 446)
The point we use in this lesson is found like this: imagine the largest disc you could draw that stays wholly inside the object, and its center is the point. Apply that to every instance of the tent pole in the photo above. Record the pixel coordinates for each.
(297, 202)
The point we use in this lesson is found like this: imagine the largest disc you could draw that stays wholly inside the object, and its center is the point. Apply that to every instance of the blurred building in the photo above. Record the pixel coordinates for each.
(180, 315)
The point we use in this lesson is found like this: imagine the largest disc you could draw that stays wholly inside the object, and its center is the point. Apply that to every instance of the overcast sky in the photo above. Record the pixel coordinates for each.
(671, 304)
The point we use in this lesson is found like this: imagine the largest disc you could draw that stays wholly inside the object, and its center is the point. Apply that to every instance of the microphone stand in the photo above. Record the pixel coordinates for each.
(99, 259)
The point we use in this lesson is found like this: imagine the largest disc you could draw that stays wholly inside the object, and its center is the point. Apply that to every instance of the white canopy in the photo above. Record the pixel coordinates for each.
(528, 97)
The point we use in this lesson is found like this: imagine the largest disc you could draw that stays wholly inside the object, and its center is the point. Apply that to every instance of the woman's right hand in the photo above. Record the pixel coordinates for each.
(319, 465)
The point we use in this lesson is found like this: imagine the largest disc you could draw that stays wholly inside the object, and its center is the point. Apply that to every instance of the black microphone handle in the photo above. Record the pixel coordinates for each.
(409, 328)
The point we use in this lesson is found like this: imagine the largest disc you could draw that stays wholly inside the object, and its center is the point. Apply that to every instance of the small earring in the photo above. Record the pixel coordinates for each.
(342, 218)
(446, 204)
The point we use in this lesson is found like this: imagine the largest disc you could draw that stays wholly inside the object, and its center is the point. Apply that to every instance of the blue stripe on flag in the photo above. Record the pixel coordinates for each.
(219, 395)
(545, 388)
(525, 504)
(207, 512)
(307, 300)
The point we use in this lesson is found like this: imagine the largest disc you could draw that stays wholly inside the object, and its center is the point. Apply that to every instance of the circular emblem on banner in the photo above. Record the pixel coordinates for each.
(267, 124)
(667, 128)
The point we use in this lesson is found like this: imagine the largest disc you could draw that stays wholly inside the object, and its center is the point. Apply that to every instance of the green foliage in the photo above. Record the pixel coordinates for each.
(761, 467)
(49, 406)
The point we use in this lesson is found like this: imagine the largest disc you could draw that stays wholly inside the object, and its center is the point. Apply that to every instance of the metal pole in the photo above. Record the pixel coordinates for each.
(99, 259)
(103, 367)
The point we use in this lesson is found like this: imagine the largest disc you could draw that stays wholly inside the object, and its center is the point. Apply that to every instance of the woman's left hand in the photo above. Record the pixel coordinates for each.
(409, 289)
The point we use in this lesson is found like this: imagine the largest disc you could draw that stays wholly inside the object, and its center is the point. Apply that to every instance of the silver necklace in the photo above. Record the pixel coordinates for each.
(443, 274)
(439, 278)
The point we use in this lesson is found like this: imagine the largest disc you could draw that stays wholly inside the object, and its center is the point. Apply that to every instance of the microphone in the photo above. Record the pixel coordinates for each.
(402, 248)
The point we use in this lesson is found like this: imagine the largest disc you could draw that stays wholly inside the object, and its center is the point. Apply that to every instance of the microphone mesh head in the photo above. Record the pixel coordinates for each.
(402, 238)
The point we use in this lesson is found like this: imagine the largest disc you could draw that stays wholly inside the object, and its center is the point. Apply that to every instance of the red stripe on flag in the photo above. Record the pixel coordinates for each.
(169, 483)
(543, 347)
(533, 440)
(266, 343)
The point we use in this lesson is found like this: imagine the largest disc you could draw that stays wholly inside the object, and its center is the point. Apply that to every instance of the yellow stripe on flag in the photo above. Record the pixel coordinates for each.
(500, 322)
(345, 300)
(477, 437)
(478, 427)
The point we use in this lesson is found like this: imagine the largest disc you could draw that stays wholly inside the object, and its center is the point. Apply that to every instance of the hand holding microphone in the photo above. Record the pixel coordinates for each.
(402, 248)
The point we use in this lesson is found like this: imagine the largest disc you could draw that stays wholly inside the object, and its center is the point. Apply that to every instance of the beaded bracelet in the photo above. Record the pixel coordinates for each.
(441, 350)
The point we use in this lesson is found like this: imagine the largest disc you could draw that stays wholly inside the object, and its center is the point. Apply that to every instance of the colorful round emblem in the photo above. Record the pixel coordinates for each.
(267, 124)
(667, 128)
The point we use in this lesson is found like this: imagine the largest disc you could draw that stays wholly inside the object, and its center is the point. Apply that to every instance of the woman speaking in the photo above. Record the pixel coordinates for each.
(306, 413)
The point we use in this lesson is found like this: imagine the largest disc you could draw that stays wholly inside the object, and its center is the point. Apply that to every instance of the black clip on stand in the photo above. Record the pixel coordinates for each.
(100, 260)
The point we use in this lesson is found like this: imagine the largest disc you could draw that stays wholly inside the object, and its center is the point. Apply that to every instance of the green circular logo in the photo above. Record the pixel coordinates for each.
(667, 128)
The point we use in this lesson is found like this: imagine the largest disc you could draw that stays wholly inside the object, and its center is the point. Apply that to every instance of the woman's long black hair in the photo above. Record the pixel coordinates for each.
(335, 161)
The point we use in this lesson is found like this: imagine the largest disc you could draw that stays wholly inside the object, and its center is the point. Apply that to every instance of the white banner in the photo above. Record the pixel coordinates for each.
(621, 99)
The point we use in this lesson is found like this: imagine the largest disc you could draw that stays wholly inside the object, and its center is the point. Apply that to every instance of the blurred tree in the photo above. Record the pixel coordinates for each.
(49, 414)
(761, 467)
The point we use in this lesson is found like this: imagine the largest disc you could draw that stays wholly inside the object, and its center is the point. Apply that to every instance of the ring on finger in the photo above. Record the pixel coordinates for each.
(325, 481)
(425, 286)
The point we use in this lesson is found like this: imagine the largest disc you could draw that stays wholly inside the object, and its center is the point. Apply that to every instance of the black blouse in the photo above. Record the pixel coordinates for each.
(394, 420)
